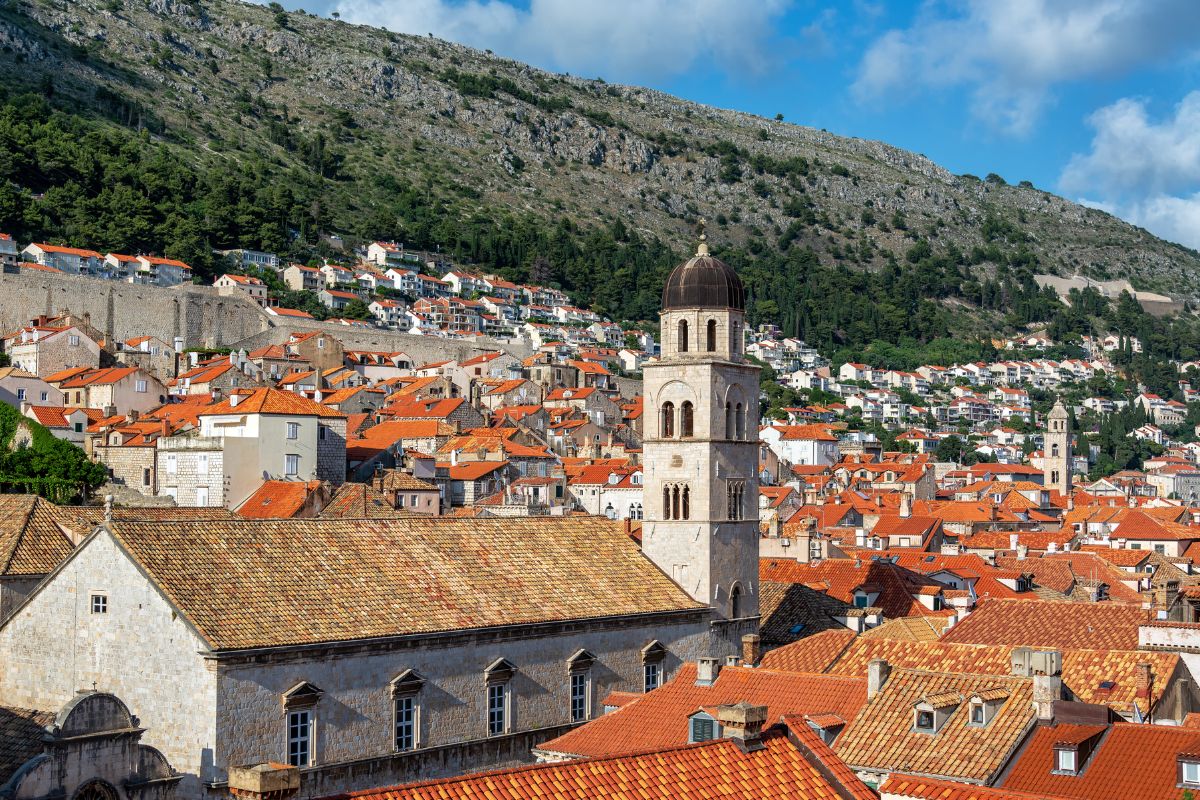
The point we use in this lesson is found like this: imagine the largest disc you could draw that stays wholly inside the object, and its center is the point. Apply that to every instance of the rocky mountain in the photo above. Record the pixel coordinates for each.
(371, 115)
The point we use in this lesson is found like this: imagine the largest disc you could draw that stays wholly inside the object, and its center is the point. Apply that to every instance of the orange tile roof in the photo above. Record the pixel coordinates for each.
(259, 583)
(882, 736)
(270, 401)
(277, 499)
(1130, 762)
(660, 719)
(793, 763)
(840, 577)
(1138, 525)
(1100, 626)
(911, 787)
(32, 540)
(99, 377)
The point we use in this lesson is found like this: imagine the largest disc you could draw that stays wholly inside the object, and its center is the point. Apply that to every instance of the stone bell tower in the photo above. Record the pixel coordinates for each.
(1056, 455)
(701, 440)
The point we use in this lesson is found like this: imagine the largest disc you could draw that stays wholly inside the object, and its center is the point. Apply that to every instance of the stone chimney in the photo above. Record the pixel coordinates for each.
(707, 670)
(905, 505)
(743, 723)
(269, 781)
(877, 674)
(1013, 541)
(751, 649)
(1022, 552)
(775, 527)
(1046, 689)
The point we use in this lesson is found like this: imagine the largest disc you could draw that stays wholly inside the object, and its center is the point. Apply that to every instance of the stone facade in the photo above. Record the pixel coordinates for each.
(140, 650)
(701, 460)
(191, 469)
(133, 466)
(1056, 458)
(56, 352)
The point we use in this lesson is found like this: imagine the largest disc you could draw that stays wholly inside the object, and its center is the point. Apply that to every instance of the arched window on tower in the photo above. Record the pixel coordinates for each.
(739, 418)
(666, 502)
(736, 344)
(1054, 450)
(687, 503)
(711, 338)
(666, 421)
(683, 336)
(735, 602)
(675, 503)
(686, 419)
(728, 420)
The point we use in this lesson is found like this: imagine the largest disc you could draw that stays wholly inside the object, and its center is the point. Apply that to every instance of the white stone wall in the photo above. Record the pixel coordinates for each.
(354, 716)
(195, 467)
(140, 650)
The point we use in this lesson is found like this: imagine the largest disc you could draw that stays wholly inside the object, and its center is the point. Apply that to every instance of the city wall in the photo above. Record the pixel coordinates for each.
(200, 316)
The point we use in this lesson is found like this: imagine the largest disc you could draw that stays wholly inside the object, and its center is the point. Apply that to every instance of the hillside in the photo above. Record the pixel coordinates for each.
(280, 127)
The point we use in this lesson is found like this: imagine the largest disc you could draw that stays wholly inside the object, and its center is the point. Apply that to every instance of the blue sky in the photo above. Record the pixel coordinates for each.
(1098, 100)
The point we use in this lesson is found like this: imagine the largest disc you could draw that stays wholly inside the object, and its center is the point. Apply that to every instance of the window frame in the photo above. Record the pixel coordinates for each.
(299, 735)
(497, 708)
(1062, 754)
(293, 430)
(98, 603)
(288, 460)
(408, 699)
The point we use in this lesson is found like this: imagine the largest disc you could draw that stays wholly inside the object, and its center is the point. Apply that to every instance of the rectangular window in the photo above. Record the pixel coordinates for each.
(293, 430)
(139, 386)
(291, 465)
(20, 394)
(703, 729)
(99, 604)
(146, 476)
(579, 696)
(496, 696)
(1161, 549)
(73, 340)
(45, 396)
(651, 676)
(299, 734)
(1065, 760)
(860, 601)
(1190, 772)
(79, 427)
(413, 501)
(202, 496)
(406, 723)
(321, 432)
(202, 462)
(172, 464)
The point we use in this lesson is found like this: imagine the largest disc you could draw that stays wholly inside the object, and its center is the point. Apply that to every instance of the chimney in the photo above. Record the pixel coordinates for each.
(751, 649)
(1013, 541)
(234, 399)
(166, 427)
(1046, 689)
(877, 674)
(905, 505)
(775, 527)
(707, 670)
(268, 781)
(1052, 547)
(133, 415)
(1022, 552)
(743, 723)
(1145, 679)
(216, 394)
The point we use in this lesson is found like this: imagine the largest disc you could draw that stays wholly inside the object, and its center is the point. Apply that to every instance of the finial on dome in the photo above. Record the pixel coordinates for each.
(702, 248)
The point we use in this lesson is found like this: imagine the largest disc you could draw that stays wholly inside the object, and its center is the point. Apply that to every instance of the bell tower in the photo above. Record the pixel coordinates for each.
(701, 440)
(1056, 450)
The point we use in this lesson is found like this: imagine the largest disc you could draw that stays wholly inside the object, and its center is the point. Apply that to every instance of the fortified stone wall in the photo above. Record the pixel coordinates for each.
(198, 314)
(202, 317)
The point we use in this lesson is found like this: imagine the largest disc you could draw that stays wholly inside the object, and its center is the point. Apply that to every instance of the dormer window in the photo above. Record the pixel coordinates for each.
(861, 600)
(702, 727)
(1189, 770)
(931, 712)
(1066, 761)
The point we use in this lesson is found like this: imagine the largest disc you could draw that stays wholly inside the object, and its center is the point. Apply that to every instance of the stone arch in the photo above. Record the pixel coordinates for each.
(96, 790)
(682, 336)
(710, 336)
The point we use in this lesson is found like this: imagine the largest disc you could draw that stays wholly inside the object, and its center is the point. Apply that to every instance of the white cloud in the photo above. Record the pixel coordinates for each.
(1011, 53)
(1131, 153)
(1145, 171)
(1174, 218)
(620, 39)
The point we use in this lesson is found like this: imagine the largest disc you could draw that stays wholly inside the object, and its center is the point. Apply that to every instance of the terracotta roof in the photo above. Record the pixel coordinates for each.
(56, 416)
(251, 583)
(99, 377)
(660, 719)
(21, 732)
(910, 787)
(1130, 762)
(840, 577)
(1099, 626)
(32, 539)
(911, 629)
(277, 499)
(397, 480)
(270, 401)
(793, 763)
(811, 654)
(353, 500)
(883, 737)
(1138, 525)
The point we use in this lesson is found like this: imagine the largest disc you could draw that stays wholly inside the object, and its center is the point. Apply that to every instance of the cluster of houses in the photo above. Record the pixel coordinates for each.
(324, 572)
